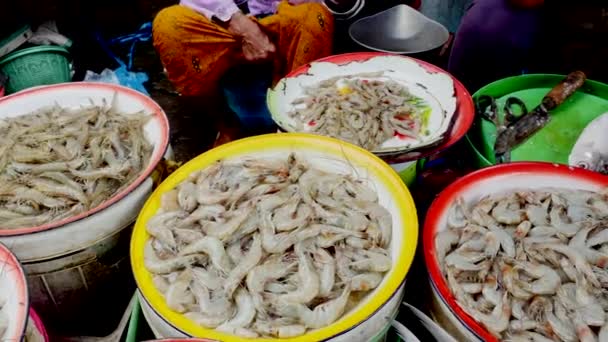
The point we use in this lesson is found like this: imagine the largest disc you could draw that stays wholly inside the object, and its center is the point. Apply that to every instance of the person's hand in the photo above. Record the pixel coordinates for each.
(257, 46)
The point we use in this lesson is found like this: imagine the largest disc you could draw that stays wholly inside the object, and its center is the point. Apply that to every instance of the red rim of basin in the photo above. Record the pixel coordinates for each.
(150, 106)
(444, 201)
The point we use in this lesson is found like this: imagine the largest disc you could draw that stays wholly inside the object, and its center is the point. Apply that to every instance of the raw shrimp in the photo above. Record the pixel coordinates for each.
(322, 314)
(300, 239)
(540, 254)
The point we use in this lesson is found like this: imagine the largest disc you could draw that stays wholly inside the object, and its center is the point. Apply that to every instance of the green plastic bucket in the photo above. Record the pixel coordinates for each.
(35, 66)
(554, 142)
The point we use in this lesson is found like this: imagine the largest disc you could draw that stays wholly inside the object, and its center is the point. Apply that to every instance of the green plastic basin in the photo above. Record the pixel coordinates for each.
(554, 142)
(35, 66)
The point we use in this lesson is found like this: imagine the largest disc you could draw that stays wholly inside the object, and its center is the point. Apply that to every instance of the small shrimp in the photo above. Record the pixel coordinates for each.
(598, 239)
(537, 215)
(187, 236)
(114, 172)
(260, 275)
(503, 213)
(177, 294)
(208, 321)
(245, 312)
(224, 230)
(467, 261)
(374, 262)
(186, 196)
(577, 260)
(357, 242)
(498, 320)
(547, 279)
(366, 281)
(160, 283)
(506, 241)
(584, 333)
(250, 260)
(47, 167)
(214, 248)
(158, 266)
(323, 314)
(219, 306)
(53, 188)
(292, 215)
(522, 229)
(557, 221)
(309, 284)
(578, 242)
(159, 226)
(564, 329)
(209, 279)
(509, 280)
(457, 217)
(384, 219)
(23, 194)
(444, 240)
(279, 243)
(589, 308)
(206, 212)
(279, 330)
(326, 265)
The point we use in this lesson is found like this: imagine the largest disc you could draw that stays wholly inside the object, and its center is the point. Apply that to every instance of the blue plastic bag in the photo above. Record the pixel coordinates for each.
(123, 74)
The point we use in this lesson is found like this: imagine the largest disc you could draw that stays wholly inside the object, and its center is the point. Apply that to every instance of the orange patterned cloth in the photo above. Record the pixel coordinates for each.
(196, 52)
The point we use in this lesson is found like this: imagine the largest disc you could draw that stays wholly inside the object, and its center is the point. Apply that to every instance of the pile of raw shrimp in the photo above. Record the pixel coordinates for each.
(58, 162)
(531, 265)
(364, 112)
(268, 247)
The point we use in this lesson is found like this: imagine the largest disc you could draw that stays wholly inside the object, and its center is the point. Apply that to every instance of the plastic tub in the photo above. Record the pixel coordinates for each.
(77, 267)
(371, 319)
(35, 66)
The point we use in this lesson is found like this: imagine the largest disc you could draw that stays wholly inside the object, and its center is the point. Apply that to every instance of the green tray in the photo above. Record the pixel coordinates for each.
(554, 142)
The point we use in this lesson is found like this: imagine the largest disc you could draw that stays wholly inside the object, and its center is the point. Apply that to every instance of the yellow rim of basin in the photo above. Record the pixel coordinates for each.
(290, 142)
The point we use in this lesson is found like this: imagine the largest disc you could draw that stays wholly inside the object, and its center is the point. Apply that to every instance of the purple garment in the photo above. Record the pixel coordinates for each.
(224, 9)
(494, 40)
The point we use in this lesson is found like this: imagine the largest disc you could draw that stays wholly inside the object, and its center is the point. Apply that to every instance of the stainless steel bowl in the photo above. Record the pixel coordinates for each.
(401, 30)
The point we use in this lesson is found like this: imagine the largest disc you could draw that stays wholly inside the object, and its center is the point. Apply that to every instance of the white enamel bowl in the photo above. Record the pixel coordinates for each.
(471, 188)
(14, 297)
(32, 243)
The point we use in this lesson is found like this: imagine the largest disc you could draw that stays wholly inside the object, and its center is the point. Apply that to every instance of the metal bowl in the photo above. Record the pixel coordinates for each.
(400, 29)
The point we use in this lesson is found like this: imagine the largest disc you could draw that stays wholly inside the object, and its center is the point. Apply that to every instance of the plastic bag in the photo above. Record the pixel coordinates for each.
(48, 34)
(121, 76)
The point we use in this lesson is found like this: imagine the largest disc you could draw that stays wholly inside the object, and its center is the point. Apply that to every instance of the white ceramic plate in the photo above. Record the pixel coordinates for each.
(437, 88)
